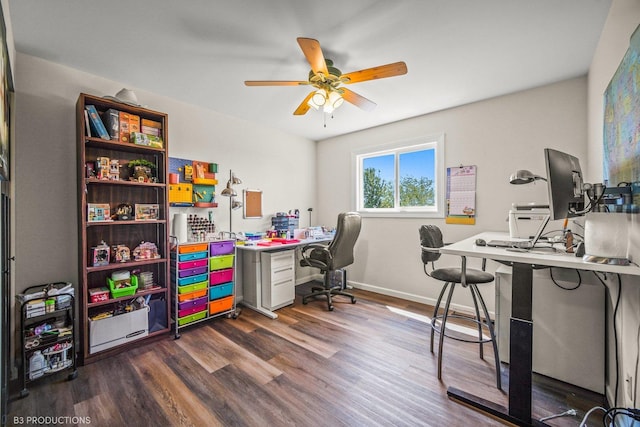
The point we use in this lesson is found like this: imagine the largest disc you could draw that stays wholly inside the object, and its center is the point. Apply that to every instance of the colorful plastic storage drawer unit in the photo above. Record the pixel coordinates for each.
(221, 276)
(186, 265)
(198, 247)
(192, 279)
(193, 288)
(192, 295)
(192, 271)
(219, 305)
(221, 262)
(192, 318)
(192, 256)
(220, 291)
(221, 248)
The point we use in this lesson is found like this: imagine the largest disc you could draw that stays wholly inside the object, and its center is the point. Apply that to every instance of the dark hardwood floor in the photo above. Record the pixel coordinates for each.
(366, 364)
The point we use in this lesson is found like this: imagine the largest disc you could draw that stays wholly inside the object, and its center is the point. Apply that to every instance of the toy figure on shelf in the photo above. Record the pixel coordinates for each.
(146, 250)
(121, 253)
(101, 254)
(114, 170)
(124, 212)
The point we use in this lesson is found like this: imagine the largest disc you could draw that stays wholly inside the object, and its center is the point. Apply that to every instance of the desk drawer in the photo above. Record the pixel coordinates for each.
(280, 260)
(282, 274)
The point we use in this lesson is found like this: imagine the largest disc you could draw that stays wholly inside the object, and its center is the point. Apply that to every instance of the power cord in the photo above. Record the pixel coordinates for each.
(569, 413)
(562, 287)
(583, 423)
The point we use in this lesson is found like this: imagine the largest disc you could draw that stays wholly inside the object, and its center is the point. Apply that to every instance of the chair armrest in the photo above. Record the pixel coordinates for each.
(311, 261)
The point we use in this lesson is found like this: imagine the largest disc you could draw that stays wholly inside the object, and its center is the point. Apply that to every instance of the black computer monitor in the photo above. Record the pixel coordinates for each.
(565, 184)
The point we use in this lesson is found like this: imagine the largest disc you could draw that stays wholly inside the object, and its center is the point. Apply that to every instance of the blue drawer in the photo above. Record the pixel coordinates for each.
(220, 291)
(192, 279)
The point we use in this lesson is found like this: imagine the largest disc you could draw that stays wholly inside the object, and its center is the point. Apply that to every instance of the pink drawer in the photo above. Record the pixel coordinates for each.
(192, 264)
(192, 303)
(193, 271)
(192, 310)
(221, 276)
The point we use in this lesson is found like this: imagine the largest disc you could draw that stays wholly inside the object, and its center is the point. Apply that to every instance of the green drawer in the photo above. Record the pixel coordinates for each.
(192, 317)
(192, 288)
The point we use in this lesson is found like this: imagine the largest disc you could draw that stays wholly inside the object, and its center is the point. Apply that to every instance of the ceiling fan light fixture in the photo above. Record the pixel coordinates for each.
(319, 98)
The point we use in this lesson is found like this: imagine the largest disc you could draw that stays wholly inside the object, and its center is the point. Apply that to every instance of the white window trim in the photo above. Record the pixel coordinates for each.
(407, 212)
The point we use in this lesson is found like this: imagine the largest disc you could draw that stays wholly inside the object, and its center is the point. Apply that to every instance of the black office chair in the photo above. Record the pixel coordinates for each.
(332, 257)
(431, 241)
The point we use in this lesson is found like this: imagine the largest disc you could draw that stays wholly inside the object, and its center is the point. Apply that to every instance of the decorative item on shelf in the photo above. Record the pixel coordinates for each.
(200, 229)
(147, 212)
(98, 212)
(142, 170)
(101, 254)
(90, 168)
(102, 167)
(121, 253)
(125, 96)
(124, 212)
(114, 170)
(231, 193)
(145, 250)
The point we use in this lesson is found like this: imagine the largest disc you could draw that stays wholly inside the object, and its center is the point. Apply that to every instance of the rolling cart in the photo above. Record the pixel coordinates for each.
(47, 332)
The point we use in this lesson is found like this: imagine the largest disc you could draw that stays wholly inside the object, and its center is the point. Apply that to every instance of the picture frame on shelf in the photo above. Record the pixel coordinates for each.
(147, 212)
(98, 212)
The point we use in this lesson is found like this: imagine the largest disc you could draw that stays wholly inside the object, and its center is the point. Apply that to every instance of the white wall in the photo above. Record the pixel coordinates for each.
(623, 19)
(498, 135)
(281, 165)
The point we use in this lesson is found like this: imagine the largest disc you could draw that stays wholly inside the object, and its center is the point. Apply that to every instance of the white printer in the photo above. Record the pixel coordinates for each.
(526, 219)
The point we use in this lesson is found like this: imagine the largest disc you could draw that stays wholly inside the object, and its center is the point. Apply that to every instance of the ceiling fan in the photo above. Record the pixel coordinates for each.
(328, 80)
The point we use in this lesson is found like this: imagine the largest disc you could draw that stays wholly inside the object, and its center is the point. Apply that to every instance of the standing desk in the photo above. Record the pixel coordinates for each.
(251, 281)
(521, 323)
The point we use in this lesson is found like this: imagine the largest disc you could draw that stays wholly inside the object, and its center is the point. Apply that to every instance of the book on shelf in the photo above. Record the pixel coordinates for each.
(151, 127)
(112, 123)
(87, 124)
(96, 122)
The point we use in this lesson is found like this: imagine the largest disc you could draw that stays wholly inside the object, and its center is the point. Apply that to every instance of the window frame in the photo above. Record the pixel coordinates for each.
(436, 142)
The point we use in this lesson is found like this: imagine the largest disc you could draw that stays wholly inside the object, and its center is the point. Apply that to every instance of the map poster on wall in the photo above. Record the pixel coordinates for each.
(621, 137)
(461, 195)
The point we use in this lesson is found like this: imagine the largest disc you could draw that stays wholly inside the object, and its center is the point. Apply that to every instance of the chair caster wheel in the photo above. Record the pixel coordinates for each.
(304, 302)
(353, 300)
(330, 308)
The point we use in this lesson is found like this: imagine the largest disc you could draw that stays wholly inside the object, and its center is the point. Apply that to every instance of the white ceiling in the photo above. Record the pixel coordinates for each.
(201, 51)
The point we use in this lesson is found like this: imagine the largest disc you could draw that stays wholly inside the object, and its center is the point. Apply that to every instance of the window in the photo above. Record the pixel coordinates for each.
(405, 178)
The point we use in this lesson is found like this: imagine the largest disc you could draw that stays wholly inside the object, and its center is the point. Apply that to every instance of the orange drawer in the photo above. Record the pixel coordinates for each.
(199, 247)
(192, 295)
(220, 305)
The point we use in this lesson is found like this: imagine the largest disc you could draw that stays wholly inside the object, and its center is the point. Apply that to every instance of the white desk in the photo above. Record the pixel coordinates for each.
(521, 325)
(251, 281)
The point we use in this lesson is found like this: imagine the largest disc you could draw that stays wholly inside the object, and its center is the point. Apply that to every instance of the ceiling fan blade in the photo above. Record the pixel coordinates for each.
(358, 100)
(313, 53)
(304, 106)
(379, 72)
(274, 83)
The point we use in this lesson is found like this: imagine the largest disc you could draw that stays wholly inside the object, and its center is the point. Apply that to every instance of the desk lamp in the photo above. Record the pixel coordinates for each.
(231, 193)
(524, 176)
